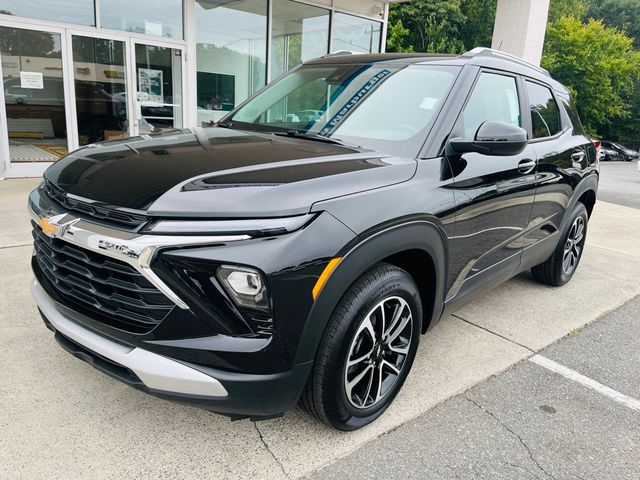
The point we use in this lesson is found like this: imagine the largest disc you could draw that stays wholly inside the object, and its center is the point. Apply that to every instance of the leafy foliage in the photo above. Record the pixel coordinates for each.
(592, 46)
(477, 29)
(566, 8)
(432, 25)
(622, 14)
(440, 26)
(398, 37)
(598, 63)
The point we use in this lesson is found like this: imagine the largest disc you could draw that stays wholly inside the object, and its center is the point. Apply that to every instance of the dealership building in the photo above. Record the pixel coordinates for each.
(76, 72)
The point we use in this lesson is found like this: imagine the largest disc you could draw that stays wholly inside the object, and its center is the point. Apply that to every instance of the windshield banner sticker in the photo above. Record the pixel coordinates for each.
(363, 92)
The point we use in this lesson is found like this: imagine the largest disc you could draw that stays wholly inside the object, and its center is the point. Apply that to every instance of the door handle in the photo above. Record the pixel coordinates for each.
(577, 156)
(526, 166)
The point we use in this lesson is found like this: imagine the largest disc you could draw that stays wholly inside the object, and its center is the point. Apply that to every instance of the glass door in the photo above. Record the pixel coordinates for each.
(34, 111)
(100, 83)
(158, 88)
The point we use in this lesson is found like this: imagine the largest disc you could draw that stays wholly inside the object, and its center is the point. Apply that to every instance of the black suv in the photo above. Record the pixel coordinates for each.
(297, 250)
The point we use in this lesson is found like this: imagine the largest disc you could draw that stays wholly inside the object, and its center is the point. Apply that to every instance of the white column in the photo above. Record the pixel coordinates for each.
(190, 98)
(520, 27)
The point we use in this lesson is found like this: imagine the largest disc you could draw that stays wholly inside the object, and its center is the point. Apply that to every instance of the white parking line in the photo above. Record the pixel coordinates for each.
(566, 372)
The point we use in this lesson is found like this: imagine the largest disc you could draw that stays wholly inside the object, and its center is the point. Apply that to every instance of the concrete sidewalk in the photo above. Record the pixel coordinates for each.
(59, 418)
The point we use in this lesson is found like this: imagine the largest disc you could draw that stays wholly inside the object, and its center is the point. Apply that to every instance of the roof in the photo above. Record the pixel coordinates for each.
(481, 57)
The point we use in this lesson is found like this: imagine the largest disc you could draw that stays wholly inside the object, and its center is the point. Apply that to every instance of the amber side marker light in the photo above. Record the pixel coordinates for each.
(322, 279)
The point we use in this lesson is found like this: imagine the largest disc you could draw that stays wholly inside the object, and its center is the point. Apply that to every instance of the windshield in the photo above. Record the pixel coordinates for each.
(376, 106)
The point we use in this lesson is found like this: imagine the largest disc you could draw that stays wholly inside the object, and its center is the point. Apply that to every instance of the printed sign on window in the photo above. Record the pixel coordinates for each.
(31, 80)
(150, 85)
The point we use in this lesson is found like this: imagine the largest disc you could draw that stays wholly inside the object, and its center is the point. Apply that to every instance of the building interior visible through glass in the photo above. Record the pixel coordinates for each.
(34, 95)
(100, 85)
(232, 47)
(109, 101)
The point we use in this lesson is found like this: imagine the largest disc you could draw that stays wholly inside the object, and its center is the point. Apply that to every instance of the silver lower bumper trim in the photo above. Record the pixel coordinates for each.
(155, 371)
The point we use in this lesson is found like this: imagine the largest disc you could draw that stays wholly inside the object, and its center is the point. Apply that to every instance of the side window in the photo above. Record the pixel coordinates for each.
(545, 114)
(495, 98)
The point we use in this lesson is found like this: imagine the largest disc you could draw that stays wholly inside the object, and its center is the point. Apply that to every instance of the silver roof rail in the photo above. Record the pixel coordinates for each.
(486, 52)
(339, 53)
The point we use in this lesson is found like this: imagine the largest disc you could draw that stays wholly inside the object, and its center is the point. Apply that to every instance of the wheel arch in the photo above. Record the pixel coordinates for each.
(417, 245)
(585, 192)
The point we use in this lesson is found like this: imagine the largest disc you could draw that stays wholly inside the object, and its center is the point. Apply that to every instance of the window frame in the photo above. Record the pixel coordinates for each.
(565, 124)
(520, 92)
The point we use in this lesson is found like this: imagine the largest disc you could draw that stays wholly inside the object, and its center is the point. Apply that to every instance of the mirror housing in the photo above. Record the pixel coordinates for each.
(493, 138)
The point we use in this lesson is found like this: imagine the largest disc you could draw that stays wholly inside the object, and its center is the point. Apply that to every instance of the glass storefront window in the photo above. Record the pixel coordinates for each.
(34, 94)
(231, 61)
(80, 12)
(100, 87)
(300, 33)
(355, 34)
(161, 18)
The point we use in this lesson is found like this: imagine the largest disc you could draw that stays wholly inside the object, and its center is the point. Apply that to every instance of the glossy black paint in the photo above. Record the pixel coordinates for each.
(217, 172)
(458, 222)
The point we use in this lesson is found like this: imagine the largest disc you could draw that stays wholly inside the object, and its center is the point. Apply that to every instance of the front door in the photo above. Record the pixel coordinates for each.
(493, 194)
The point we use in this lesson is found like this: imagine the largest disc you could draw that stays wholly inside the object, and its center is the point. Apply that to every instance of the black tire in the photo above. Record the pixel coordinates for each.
(325, 395)
(553, 271)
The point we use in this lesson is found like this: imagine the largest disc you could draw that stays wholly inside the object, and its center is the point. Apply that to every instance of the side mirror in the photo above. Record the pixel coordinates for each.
(493, 138)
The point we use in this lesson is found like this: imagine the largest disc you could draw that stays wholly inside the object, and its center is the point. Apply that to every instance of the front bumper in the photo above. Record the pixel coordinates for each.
(234, 394)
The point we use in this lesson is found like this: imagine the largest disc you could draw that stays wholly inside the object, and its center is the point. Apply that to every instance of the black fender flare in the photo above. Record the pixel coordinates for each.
(362, 254)
(589, 182)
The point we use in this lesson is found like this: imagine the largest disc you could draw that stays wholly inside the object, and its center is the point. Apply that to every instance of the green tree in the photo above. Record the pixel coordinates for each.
(398, 38)
(433, 25)
(622, 14)
(566, 8)
(600, 66)
(477, 28)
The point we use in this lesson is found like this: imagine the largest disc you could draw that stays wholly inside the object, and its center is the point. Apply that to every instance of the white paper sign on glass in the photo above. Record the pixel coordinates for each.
(31, 80)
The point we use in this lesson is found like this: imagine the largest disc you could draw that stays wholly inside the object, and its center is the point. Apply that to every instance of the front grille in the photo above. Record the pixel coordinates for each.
(107, 290)
(98, 212)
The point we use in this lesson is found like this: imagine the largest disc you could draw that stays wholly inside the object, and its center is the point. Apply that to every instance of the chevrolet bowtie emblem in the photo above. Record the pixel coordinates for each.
(54, 226)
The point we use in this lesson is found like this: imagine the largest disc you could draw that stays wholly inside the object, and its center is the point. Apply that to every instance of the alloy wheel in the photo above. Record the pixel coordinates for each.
(573, 246)
(378, 352)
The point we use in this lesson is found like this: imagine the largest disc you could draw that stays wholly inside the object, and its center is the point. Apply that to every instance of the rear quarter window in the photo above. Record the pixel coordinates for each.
(545, 113)
(572, 113)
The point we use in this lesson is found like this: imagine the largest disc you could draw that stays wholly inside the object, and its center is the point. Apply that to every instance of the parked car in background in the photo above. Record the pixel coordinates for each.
(625, 153)
(297, 250)
(608, 154)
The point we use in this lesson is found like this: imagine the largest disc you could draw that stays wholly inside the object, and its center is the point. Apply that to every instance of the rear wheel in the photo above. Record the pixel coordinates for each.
(563, 263)
(366, 351)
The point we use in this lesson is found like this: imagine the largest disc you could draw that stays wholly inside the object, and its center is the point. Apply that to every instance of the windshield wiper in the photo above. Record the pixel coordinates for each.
(309, 136)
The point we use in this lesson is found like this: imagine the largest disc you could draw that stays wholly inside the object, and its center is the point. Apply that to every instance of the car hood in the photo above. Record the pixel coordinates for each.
(222, 173)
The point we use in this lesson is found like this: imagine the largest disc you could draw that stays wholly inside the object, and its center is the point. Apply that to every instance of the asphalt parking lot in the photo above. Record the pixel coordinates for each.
(474, 406)
(620, 183)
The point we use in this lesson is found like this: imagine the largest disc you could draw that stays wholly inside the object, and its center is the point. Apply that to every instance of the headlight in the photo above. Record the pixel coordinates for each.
(245, 285)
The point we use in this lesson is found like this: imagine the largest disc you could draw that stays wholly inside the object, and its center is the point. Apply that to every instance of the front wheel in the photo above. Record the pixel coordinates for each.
(563, 263)
(366, 351)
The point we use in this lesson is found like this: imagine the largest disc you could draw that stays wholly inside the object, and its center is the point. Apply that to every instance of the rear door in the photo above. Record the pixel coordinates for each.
(493, 194)
(564, 154)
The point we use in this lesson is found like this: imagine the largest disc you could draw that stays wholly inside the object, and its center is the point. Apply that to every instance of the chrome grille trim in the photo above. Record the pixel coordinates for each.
(137, 250)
